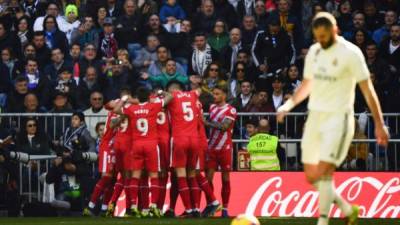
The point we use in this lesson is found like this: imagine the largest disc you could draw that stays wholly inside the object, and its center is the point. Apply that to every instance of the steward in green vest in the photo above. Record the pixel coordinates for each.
(262, 148)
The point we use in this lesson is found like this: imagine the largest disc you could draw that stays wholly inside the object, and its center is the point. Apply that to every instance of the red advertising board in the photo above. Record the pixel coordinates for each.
(286, 194)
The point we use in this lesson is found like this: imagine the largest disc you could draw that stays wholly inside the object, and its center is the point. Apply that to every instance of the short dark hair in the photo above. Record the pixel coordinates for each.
(125, 89)
(200, 34)
(101, 123)
(38, 33)
(222, 87)
(161, 46)
(21, 78)
(143, 94)
(175, 82)
(323, 19)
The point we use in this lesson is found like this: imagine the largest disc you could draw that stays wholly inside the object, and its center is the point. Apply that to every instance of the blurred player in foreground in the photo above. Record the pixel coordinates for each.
(333, 67)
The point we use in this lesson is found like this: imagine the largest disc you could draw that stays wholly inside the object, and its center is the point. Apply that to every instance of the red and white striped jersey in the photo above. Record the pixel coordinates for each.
(220, 140)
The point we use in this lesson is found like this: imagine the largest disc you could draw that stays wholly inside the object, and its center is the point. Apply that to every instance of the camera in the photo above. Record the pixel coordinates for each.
(117, 62)
(61, 86)
(19, 157)
(89, 156)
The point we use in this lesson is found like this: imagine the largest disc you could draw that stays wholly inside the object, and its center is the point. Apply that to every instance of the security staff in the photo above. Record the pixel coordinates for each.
(263, 149)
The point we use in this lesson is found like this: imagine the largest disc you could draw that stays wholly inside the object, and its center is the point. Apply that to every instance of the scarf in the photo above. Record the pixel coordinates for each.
(109, 45)
(23, 37)
(235, 51)
(33, 80)
(50, 38)
(283, 17)
(72, 136)
(249, 7)
(200, 63)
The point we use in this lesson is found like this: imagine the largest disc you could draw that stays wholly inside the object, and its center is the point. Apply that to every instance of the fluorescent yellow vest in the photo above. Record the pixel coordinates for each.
(262, 149)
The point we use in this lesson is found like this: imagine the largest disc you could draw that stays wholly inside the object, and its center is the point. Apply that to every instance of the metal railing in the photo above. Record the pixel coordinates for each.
(378, 158)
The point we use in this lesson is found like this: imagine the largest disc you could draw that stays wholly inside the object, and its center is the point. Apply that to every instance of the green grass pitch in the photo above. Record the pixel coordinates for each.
(129, 221)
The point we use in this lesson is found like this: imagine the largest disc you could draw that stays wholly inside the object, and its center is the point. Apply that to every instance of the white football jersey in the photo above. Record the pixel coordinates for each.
(334, 73)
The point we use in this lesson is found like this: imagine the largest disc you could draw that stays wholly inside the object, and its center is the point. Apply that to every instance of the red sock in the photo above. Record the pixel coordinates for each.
(118, 188)
(131, 191)
(108, 192)
(184, 192)
(101, 185)
(144, 192)
(173, 192)
(163, 192)
(226, 192)
(205, 186)
(195, 192)
(155, 190)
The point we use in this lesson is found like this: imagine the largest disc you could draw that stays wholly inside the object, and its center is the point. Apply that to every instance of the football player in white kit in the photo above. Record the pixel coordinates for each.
(333, 67)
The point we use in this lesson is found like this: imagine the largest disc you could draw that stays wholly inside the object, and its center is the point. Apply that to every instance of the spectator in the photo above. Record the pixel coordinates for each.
(75, 141)
(219, 38)
(147, 55)
(37, 81)
(204, 20)
(154, 27)
(249, 31)
(107, 42)
(89, 59)
(34, 8)
(158, 66)
(229, 53)
(56, 124)
(24, 31)
(383, 74)
(361, 38)
(124, 60)
(54, 37)
(113, 8)
(358, 152)
(245, 57)
(72, 23)
(250, 129)
(272, 49)
(66, 84)
(117, 77)
(100, 130)
(5, 85)
(224, 10)
(260, 103)
(344, 17)
(277, 93)
(242, 101)
(181, 44)
(358, 24)
(42, 52)
(101, 16)
(213, 77)
(74, 57)
(9, 40)
(58, 65)
(202, 55)
(129, 28)
(15, 101)
(30, 140)
(245, 8)
(10, 65)
(86, 32)
(87, 85)
(52, 10)
(264, 149)
(171, 8)
(95, 113)
(31, 104)
(239, 74)
(389, 49)
(384, 32)
(293, 79)
(290, 23)
(261, 15)
(373, 19)
(169, 74)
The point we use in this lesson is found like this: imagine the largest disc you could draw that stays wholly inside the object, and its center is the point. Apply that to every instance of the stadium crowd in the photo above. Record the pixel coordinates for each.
(74, 56)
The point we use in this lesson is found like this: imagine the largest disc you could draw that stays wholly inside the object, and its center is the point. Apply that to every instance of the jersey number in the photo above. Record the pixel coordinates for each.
(188, 111)
(123, 126)
(142, 126)
(161, 118)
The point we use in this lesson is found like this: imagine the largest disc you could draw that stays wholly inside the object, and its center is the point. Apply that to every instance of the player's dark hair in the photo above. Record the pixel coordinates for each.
(143, 94)
(323, 19)
(222, 87)
(21, 79)
(175, 82)
(125, 90)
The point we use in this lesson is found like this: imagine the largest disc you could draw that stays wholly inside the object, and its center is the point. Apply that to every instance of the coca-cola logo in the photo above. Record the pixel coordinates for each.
(277, 196)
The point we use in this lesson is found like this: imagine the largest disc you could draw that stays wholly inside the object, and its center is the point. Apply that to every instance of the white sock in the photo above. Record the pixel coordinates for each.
(104, 207)
(91, 205)
(216, 202)
(133, 206)
(343, 205)
(326, 197)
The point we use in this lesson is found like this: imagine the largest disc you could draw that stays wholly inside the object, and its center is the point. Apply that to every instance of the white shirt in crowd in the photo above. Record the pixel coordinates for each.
(334, 73)
(62, 24)
(92, 118)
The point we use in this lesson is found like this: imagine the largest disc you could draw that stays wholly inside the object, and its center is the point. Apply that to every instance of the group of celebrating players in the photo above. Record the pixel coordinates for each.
(161, 135)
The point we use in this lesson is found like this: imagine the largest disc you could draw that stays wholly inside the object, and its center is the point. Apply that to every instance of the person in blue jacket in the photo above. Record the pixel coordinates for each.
(171, 8)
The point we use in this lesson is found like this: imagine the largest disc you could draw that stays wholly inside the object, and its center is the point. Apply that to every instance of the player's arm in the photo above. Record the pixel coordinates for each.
(300, 94)
(167, 97)
(224, 126)
(371, 98)
(118, 106)
(115, 122)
